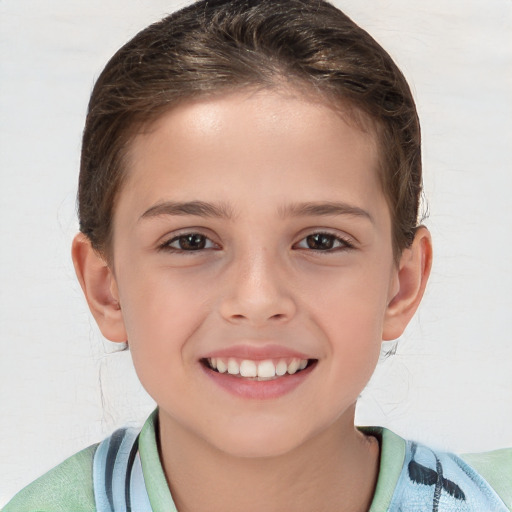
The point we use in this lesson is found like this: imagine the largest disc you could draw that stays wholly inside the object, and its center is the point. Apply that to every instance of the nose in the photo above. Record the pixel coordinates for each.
(258, 292)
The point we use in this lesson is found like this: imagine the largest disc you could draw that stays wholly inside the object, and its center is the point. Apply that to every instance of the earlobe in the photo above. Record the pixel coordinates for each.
(413, 273)
(99, 287)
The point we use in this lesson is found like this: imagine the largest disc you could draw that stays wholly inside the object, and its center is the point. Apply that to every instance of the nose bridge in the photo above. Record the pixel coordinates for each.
(257, 289)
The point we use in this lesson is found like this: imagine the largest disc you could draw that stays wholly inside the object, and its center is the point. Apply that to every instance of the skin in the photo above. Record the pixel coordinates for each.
(258, 157)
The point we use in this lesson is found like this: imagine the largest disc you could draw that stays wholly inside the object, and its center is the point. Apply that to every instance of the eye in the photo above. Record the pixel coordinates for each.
(189, 242)
(323, 242)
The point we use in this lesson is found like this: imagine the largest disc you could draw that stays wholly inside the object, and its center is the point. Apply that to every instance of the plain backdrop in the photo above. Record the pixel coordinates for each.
(449, 384)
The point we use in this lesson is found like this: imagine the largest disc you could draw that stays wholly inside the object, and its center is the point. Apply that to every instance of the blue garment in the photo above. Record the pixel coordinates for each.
(441, 482)
(430, 481)
(117, 474)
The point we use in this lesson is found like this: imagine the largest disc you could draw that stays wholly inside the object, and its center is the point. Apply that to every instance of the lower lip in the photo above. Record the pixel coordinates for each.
(258, 389)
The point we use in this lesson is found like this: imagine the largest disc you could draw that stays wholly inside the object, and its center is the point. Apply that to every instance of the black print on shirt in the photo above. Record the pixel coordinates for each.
(425, 476)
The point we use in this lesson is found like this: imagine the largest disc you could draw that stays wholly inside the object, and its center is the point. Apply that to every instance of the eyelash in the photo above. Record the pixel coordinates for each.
(343, 243)
(166, 246)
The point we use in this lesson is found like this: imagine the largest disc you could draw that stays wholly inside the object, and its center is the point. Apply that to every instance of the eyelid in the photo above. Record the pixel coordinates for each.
(347, 242)
(176, 235)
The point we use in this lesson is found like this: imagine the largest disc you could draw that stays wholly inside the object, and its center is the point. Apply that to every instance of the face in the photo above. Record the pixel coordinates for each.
(253, 263)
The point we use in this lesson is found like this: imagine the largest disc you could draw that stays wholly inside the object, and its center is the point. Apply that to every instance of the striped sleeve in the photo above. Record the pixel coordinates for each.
(117, 473)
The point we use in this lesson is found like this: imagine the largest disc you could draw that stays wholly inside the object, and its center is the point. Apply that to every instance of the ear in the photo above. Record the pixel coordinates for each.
(100, 289)
(411, 280)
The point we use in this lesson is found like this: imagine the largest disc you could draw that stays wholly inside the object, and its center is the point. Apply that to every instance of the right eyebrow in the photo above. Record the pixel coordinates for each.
(197, 208)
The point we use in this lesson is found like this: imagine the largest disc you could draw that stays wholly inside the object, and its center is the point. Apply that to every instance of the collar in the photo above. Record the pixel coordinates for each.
(392, 456)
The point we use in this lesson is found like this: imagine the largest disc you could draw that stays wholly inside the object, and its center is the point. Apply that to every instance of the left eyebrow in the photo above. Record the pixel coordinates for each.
(196, 208)
(324, 209)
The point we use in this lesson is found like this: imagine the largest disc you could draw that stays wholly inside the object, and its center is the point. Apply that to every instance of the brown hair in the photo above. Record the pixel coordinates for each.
(220, 45)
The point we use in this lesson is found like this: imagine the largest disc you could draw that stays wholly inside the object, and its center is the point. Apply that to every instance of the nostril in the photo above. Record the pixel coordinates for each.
(257, 309)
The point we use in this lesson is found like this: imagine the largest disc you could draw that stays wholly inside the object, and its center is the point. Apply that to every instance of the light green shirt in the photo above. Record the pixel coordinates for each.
(69, 486)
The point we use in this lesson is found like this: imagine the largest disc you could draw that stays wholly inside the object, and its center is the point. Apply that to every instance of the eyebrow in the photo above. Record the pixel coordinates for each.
(323, 209)
(223, 211)
(198, 208)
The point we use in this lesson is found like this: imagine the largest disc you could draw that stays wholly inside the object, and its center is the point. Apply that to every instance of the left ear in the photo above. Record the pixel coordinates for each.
(411, 280)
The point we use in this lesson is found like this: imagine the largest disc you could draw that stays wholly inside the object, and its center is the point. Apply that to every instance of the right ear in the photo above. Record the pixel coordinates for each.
(100, 288)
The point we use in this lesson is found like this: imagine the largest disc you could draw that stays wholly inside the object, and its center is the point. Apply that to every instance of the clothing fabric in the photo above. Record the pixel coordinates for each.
(118, 479)
(435, 482)
(124, 473)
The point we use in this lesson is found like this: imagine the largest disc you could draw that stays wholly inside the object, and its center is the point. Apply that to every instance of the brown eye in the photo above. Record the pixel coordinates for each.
(190, 242)
(323, 242)
(320, 241)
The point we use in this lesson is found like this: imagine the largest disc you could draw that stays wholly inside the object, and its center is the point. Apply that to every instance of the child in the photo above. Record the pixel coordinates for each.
(248, 206)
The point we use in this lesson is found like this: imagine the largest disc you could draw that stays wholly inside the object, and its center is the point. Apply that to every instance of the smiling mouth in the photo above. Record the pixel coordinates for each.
(257, 370)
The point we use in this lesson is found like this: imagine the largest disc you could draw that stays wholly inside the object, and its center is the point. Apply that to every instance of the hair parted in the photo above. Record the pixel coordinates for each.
(216, 46)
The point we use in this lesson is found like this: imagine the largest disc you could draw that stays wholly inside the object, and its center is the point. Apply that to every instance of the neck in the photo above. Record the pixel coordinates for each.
(337, 467)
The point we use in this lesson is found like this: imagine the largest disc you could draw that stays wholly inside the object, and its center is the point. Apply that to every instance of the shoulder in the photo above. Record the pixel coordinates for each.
(431, 478)
(496, 468)
(416, 477)
(68, 486)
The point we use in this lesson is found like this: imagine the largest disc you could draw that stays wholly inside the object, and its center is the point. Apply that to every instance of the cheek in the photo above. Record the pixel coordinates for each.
(351, 299)
(161, 312)
(349, 306)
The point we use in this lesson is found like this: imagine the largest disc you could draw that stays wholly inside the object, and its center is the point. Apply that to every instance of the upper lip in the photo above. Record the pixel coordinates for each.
(257, 353)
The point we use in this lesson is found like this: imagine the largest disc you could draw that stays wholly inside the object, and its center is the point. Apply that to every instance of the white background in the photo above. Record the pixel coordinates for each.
(450, 383)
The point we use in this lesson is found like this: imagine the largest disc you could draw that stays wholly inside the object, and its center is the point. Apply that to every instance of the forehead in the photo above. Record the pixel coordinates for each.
(268, 145)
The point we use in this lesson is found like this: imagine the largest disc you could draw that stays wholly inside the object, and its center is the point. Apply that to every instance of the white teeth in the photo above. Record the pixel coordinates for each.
(221, 366)
(266, 369)
(281, 368)
(248, 369)
(233, 368)
(293, 366)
